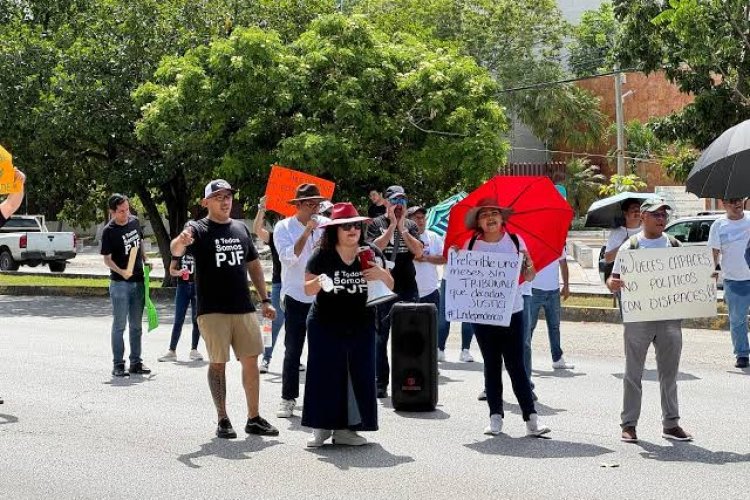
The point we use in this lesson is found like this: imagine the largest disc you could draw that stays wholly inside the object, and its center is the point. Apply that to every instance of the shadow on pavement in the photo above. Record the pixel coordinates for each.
(469, 367)
(557, 374)
(541, 409)
(688, 452)
(437, 414)
(228, 449)
(128, 381)
(369, 456)
(191, 364)
(7, 419)
(526, 447)
(653, 376)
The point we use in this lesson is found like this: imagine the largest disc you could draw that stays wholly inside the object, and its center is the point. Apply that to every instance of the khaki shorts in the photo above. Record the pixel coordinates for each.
(241, 331)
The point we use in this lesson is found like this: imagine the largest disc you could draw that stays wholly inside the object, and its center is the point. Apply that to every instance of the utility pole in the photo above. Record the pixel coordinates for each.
(620, 122)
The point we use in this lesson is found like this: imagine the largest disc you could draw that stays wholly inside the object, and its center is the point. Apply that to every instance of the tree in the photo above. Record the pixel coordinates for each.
(593, 44)
(622, 184)
(703, 48)
(642, 144)
(582, 182)
(343, 101)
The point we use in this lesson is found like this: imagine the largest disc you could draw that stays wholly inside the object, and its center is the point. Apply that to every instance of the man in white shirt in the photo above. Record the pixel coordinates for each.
(638, 336)
(545, 293)
(295, 239)
(728, 238)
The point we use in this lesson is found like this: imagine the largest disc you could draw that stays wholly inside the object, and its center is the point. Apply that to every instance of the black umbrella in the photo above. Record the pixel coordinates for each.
(607, 212)
(723, 170)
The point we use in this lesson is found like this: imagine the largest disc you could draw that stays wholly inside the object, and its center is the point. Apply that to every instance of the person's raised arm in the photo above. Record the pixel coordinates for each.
(258, 227)
(14, 200)
(181, 242)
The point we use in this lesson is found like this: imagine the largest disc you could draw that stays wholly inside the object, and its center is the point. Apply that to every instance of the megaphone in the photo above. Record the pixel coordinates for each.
(378, 292)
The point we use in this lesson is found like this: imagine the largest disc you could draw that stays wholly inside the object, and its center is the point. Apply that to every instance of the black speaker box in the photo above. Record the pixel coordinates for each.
(414, 372)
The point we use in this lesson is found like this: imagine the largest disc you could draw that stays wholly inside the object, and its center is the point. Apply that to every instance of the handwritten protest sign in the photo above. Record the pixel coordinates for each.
(7, 174)
(282, 184)
(480, 287)
(667, 283)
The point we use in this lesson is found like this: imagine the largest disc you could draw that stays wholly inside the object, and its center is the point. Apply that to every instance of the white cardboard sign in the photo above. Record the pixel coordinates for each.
(667, 283)
(480, 287)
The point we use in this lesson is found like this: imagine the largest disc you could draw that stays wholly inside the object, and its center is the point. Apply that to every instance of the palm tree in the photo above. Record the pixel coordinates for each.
(582, 182)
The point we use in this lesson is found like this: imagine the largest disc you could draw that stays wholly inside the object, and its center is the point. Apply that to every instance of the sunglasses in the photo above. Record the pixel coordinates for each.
(399, 201)
(348, 226)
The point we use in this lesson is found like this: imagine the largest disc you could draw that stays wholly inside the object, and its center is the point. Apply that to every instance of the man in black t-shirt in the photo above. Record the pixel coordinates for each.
(11, 204)
(224, 255)
(377, 204)
(398, 238)
(123, 253)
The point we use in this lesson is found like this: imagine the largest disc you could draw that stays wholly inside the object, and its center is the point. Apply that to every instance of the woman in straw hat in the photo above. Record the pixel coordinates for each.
(503, 343)
(340, 387)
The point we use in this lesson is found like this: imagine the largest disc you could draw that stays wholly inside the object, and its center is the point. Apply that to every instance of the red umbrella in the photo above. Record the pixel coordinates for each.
(540, 215)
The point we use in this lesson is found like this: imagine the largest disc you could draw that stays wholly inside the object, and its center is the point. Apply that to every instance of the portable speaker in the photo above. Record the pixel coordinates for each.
(414, 372)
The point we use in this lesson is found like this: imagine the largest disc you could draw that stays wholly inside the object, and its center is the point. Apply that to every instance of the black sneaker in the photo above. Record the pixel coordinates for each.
(139, 369)
(224, 430)
(119, 371)
(382, 393)
(260, 426)
(742, 362)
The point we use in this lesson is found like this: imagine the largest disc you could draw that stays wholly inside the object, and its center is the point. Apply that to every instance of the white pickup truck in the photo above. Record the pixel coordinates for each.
(25, 240)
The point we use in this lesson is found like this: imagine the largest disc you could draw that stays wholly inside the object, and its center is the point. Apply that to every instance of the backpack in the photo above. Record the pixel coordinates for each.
(634, 243)
(513, 237)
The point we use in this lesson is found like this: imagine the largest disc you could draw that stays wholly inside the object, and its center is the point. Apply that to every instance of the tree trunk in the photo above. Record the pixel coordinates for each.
(162, 237)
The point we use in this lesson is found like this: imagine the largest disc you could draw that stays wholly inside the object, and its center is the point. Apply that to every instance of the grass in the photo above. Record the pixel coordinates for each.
(54, 280)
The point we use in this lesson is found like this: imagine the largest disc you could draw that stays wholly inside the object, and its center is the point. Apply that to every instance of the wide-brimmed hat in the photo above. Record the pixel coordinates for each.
(342, 213)
(470, 221)
(307, 192)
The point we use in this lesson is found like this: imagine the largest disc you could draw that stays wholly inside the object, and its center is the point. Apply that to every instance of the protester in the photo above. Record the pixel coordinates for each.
(295, 239)
(224, 255)
(666, 336)
(500, 344)
(339, 390)
(728, 238)
(121, 238)
(631, 212)
(325, 208)
(545, 294)
(266, 237)
(11, 203)
(377, 204)
(183, 269)
(398, 238)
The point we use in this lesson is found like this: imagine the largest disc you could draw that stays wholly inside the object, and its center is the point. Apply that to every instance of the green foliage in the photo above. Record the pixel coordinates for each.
(702, 47)
(641, 143)
(679, 161)
(621, 184)
(593, 44)
(582, 183)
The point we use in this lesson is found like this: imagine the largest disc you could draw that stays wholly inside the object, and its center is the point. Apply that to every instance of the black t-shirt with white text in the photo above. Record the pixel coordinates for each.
(117, 241)
(221, 253)
(347, 302)
(3, 220)
(404, 273)
(186, 263)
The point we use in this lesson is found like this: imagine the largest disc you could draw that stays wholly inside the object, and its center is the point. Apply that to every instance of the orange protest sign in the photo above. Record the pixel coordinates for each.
(282, 184)
(7, 174)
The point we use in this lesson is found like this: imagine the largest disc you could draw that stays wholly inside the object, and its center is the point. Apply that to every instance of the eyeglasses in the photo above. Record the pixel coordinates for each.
(658, 215)
(489, 213)
(348, 226)
(221, 197)
(311, 204)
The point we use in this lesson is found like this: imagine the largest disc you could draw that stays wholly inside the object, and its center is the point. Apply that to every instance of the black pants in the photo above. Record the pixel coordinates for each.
(383, 369)
(295, 329)
(499, 343)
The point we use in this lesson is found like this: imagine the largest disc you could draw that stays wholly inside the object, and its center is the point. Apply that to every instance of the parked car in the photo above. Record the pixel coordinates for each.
(25, 240)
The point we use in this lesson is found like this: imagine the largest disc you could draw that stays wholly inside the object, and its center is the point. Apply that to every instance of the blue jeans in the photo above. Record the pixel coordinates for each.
(444, 326)
(184, 297)
(527, 337)
(295, 326)
(127, 307)
(737, 297)
(550, 301)
(277, 323)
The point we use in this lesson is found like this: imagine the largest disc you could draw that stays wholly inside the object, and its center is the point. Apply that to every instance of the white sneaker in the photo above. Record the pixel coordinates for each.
(301, 367)
(347, 437)
(286, 408)
(195, 355)
(561, 364)
(169, 356)
(264, 366)
(534, 428)
(465, 356)
(496, 425)
(318, 438)
(441, 355)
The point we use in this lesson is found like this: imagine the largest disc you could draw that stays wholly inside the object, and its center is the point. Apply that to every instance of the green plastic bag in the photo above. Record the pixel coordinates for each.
(153, 316)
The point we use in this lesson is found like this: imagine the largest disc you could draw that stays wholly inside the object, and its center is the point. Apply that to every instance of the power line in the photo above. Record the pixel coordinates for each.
(567, 80)
(596, 155)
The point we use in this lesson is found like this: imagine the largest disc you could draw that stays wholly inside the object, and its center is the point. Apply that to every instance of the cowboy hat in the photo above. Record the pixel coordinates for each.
(470, 221)
(307, 192)
(344, 212)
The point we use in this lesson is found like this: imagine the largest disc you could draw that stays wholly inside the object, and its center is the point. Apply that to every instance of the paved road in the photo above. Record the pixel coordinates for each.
(68, 429)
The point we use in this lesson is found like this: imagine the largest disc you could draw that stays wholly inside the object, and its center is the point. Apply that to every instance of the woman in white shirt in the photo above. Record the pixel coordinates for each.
(631, 211)
(499, 343)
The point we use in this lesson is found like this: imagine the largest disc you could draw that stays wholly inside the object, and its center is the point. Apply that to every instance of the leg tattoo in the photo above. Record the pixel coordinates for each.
(217, 383)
